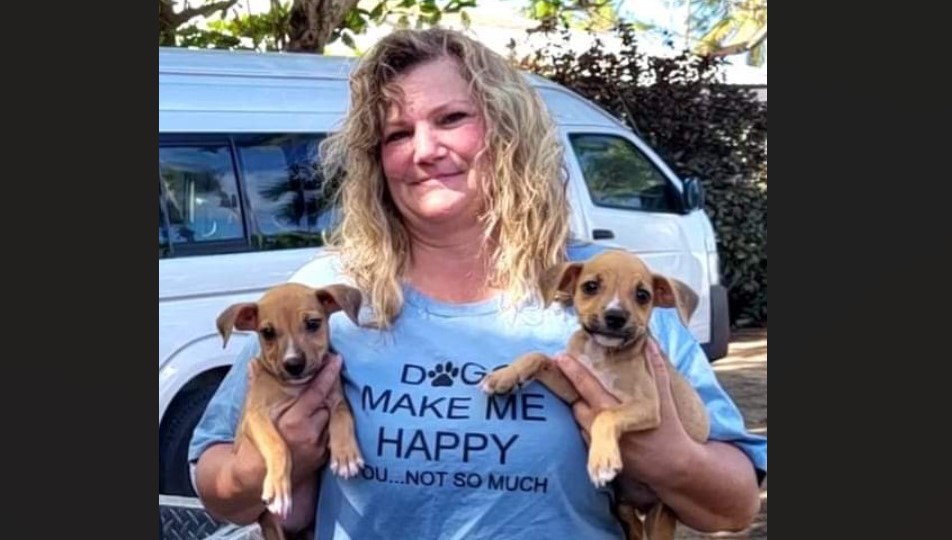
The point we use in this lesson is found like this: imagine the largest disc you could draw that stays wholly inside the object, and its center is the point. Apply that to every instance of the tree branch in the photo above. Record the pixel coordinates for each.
(743, 46)
(168, 19)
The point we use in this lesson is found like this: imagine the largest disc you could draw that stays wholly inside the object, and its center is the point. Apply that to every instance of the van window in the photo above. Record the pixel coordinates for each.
(163, 228)
(284, 184)
(619, 175)
(226, 193)
(202, 194)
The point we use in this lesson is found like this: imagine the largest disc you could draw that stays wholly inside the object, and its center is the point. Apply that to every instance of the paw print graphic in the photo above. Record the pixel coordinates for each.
(443, 374)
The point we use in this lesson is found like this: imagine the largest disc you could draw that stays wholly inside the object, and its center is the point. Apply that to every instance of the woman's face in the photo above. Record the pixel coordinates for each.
(429, 146)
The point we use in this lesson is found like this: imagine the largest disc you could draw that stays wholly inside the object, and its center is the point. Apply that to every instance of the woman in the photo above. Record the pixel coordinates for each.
(453, 206)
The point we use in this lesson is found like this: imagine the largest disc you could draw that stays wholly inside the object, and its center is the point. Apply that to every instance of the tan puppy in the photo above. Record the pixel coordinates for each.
(291, 323)
(614, 293)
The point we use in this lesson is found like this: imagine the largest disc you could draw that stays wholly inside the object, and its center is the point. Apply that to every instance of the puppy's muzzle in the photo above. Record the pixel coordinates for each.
(615, 319)
(294, 365)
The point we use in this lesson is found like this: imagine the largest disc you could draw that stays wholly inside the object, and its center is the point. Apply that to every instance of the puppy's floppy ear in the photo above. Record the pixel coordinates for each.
(340, 297)
(558, 282)
(243, 316)
(670, 292)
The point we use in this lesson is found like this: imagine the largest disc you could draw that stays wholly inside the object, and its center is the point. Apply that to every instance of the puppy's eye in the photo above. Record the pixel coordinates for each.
(642, 296)
(267, 333)
(312, 325)
(590, 287)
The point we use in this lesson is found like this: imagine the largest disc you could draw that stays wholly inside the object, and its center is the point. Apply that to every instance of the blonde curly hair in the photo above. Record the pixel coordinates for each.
(526, 214)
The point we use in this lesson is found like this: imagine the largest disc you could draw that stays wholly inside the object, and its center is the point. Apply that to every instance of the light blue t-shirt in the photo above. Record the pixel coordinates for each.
(443, 459)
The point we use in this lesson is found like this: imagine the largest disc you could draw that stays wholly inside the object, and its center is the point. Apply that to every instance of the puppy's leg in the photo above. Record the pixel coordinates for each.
(604, 455)
(346, 460)
(660, 523)
(531, 366)
(630, 521)
(270, 526)
(519, 371)
(276, 491)
(303, 535)
(552, 377)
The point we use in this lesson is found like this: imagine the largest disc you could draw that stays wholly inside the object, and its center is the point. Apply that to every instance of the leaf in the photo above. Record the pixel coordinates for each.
(377, 12)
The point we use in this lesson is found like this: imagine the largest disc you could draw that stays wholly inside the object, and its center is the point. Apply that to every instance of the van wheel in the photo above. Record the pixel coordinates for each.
(720, 325)
(174, 437)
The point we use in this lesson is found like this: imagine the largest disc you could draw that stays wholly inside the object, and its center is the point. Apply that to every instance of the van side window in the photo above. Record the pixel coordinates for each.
(618, 175)
(163, 230)
(202, 201)
(283, 182)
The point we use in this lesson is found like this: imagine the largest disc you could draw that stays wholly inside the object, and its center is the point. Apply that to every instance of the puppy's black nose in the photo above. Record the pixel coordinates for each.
(294, 365)
(615, 318)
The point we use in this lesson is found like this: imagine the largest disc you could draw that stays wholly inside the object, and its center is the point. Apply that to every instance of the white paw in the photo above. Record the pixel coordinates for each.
(353, 467)
(280, 506)
(348, 468)
(603, 475)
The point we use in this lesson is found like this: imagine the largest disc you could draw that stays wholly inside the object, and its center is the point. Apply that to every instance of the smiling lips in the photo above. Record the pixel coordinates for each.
(436, 177)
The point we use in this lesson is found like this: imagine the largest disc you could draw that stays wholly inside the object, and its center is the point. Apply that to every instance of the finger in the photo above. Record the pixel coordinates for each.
(585, 383)
(656, 363)
(315, 395)
(321, 418)
(658, 366)
(584, 414)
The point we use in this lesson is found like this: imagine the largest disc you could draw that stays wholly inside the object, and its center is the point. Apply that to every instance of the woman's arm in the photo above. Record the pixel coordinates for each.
(226, 497)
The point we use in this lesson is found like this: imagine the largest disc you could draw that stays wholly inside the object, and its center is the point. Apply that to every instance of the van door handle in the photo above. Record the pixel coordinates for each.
(602, 234)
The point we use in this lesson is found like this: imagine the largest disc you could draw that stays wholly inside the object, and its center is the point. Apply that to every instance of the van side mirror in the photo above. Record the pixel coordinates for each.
(693, 195)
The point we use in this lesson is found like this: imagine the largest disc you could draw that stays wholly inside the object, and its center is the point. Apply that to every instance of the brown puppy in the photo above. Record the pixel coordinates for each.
(291, 323)
(614, 293)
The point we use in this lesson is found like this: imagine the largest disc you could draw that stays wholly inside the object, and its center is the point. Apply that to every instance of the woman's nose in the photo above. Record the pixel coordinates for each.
(426, 145)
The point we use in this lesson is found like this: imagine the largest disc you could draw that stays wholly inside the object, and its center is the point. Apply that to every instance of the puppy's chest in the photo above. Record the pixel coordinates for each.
(268, 395)
(615, 375)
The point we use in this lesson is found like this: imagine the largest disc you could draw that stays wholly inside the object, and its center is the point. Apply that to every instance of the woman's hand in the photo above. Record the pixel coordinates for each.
(303, 426)
(229, 482)
(710, 486)
(660, 453)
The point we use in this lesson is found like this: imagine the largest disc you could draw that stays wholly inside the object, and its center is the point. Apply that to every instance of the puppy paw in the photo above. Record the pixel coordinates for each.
(604, 463)
(346, 460)
(276, 495)
(500, 381)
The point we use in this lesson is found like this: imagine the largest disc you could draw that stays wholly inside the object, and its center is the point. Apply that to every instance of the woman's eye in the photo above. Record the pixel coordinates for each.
(454, 117)
(395, 136)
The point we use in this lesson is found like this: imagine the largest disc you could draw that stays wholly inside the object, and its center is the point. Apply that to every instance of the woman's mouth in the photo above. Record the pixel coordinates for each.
(437, 178)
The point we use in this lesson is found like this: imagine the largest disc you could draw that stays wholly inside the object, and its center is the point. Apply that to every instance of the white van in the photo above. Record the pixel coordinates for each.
(239, 210)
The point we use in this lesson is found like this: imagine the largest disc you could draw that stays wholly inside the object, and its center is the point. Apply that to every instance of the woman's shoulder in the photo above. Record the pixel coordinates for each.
(324, 269)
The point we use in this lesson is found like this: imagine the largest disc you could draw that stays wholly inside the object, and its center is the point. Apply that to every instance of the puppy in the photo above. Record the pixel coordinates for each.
(614, 293)
(291, 323)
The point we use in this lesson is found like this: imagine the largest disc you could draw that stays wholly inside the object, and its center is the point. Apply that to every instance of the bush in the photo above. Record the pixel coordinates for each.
(702, 128)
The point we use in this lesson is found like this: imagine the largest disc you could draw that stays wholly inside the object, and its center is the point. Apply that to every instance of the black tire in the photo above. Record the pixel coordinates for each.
(720, 325)
(174, 437)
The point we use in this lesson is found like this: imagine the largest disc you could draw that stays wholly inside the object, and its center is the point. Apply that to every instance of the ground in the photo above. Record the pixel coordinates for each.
(743, 374)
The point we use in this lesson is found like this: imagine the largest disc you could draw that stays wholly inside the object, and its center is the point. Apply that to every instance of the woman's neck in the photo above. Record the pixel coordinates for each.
(452, 268)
